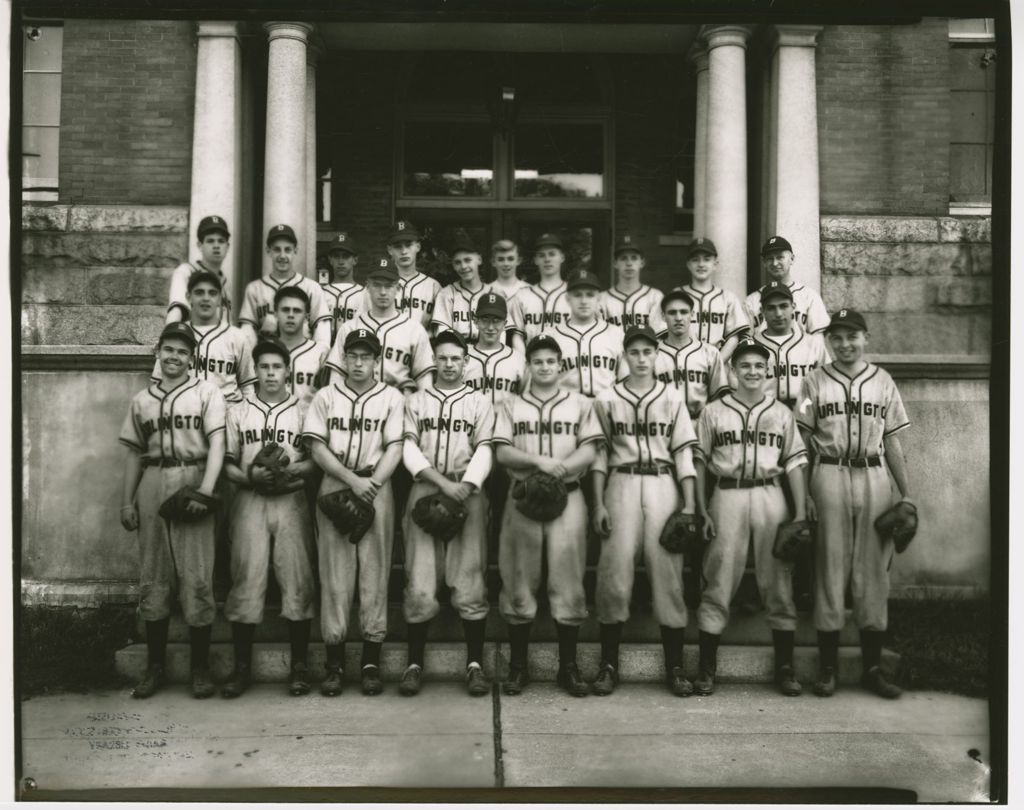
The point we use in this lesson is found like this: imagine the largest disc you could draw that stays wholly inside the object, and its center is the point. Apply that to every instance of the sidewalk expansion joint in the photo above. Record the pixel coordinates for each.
(499, 764)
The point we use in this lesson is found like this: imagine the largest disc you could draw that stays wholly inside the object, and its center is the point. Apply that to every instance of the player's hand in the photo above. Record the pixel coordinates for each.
(130, 517)
(552, 467)
(459, 491)
(365, 489)
(709, 526)
(602, 521)
(260, 475)
(810, 509)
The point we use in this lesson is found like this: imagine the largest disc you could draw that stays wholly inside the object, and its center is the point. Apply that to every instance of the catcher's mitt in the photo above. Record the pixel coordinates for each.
(898, 522)
(274, 458)
(350, 515)
(791, 539)
(682, 534)
(176, 506)
(439, 515)
(540, 496)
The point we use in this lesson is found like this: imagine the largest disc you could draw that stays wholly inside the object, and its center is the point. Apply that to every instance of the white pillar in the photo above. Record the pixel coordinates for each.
(284, 165)
(699, 57)
(216, 138)
(312, 52)
(795, 167)
(726, 210)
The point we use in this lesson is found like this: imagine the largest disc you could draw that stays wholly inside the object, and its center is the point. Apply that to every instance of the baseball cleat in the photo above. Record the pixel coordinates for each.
(874, 680)
(371, 682)
(569, 679)
(825, 686)
(238, 681)
(516, 681)
(606, 681)
(785, 680)
(202, 684)
(678, 684)
(705, 683)
(332, 685)
(476, 683)
(150, 683)
(298, 681)
(412, 680)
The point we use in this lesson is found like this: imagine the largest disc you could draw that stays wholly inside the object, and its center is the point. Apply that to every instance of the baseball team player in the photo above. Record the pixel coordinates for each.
(174, 432)
(407, 361)
(291, 310)
(777, 262)
(345, 297)
(643, 474)
(268, 530)
(448, 431)
(256, 314)
(417, 291)
(354, 430)
(747, 439)
(505, 261)
(213, 242)
(551, 430)
(719, 317)
(493, 367)
(629, 302)
(543, 305)
(850, 414)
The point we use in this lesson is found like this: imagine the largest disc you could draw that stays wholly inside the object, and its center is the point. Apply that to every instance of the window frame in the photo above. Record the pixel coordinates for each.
(37, 193)
(973, 41)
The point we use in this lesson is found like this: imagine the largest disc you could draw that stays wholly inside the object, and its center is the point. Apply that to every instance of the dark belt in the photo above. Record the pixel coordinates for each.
(366, 472)
(644, 469)
(872, 461)
(789, 403)
(172, 462)
(745, 483)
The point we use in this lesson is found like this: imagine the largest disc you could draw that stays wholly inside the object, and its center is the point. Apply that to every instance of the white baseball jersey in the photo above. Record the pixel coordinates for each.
(553, 427)
(696, 370)
(416, 296)
(174, 425)
(454, 308)
(345, 300)
(644, 429)
(761, 441)
(640, 308)
(406, 355)
(306, 361)
(717, 315)
(498, 375)
(448, 426)
(534, 310)
(794, 356)
(357, 428)
(808, 308)
(255, 423)
(222, 356)
(592, 359)
(849, 417)
(510, 291)
(258, 300)
(179, 288)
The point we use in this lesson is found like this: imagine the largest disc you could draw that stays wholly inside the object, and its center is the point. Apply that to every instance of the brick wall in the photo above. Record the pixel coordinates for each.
(126, 112)
(883, 118)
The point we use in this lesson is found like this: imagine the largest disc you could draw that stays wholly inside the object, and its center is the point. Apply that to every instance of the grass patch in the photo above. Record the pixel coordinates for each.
(943, 644)
(68, 649)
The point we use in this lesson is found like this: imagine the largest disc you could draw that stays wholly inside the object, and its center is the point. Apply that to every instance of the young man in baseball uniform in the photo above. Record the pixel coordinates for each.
(777, 263)
(719, 317)
(407, 361)
(643, 474)
(291, 309)
(748, 440)
(174, 432)
(354, 430)
(505, 261)
(448, 430)
(416, 291)
(256, 314)
(850, 414)
(269, 530)
(214, 241)
(542, 305)
(550, 430)
(344, 296)
(630, 302)
(493, 367)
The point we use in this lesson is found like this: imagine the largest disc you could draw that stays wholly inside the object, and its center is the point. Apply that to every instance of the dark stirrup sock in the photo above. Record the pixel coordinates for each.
(156, 641)
(610, 635)
(199, 646)
(335, 655)
(371, 654)
(298, 639)
(783, 641)
(568, 635)
(672, 646)
(241, 639)
(417, 642)
(474, 630)
(519, 641)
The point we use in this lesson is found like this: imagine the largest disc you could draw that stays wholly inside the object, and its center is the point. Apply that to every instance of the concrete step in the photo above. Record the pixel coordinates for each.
(446, 661)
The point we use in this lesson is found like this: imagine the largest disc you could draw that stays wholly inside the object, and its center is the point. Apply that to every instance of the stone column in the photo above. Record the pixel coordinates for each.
(312, 54)
(726, 208)
(795, 190)
(284, 165)
(699, 57)
(216, 139)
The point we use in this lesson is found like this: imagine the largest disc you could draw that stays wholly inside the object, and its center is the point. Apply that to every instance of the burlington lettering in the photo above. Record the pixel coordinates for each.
(851, 408)
(759, 437)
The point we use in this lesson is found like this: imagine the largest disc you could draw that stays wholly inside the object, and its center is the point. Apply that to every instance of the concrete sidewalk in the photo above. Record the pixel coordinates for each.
(743, 736)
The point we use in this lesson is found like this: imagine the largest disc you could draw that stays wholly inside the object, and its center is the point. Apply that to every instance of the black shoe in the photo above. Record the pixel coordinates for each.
(202, 684)
(298, 681)
(606, 681)
(412, 680)
(370, 676)
(678, 684)
(238, 681)
(874, 680)
(150, 683)
(705, 683)
(825, 686)
(332, 685)
(516, 681)
(785, 679)
(569, 679)
(476, 683)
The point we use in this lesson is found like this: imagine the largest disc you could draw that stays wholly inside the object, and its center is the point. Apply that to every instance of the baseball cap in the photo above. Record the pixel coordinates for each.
(548, 240)
(776, 289)
(362, 337)
(464, 246)
(639, 333)
(492, 304)
(268, 344)
(282, 232)
(448, 336)
(776, 244)
(384, 271)
(848, 318)
(343, 242)
(539, 342)
(747, 345)
(208, 276)
(701, 245)
(582, 278)
(676, 295)
(627, 243)
(404, 231)
(212, 224)
(179, 330)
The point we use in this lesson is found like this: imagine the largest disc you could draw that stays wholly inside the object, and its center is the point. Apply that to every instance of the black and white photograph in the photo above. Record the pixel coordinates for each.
(452, 401)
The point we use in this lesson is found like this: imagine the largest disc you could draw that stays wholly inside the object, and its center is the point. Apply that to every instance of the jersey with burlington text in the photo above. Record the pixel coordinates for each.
(717, 315)
(345, 299)
(416, 296)
(448, 426)
(179, 289)
(304, 366)
(808, 308)
(222, 356)
(737, 441)
(535, 310)
(357, 428)
(498, 375)
(258, 300)
(509, 291)
(848, 417)
(640, 308)
(592, 357)
(174, 425)
(256, 423)
(454, 308)
(696, 370)
(646, 429)
(406, 355)
(794, 356)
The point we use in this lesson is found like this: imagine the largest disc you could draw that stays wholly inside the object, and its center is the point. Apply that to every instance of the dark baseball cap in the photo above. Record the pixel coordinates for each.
(465, 246)
(212, 224)
(448, 336)
(676, 295)
(701, 245)
(268, 344)
(542, 341)
(282, 232)
(775, 244)
(362, 337)
(343, 242)
(747, 345)
(848, 318)
(639, 333)
(404, 231)
(627, 243)
(582, 278)
(492, 304)
(776, 289)
(207, 276)
(179, 330)
(383, 271)
(548, 240)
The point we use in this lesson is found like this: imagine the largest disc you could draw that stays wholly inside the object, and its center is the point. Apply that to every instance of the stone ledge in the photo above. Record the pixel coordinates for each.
(123, 357)
(105, 218)
(861, 228)
(88, 593)
(934, 367)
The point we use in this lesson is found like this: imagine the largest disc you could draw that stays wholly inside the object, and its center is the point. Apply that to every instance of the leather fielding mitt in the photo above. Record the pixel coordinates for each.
(682, 534)
(439, 515)
(540, 496)
(791, 540)
(350, 515)
(898, 522)
(274, 457)
(176, 507)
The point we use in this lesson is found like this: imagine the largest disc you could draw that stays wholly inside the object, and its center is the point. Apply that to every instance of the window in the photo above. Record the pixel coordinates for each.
(559, 160)
(447, 159)
(972, 115)
(40, 132)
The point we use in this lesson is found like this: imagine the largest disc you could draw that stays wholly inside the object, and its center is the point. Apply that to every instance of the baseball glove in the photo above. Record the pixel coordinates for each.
(176, 507)
(274, 458)
(540, 496)
(791, 539)
(682, 534)
(439, 515)
(350, 515)
(898, 522)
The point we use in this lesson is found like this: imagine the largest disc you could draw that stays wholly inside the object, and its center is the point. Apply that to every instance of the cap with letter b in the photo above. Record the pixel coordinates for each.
(492, 304)
(343, 243)
(579, 279)
(181, 331)
(776, 244)
(383, 271)
(212, 224)
(701, 245)
(639, 333)
(748, 345)
(404, 231)
(362, 337)
(281, 232)
(627, 244)
(847, 319)
(776, 289)
(542, 341)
